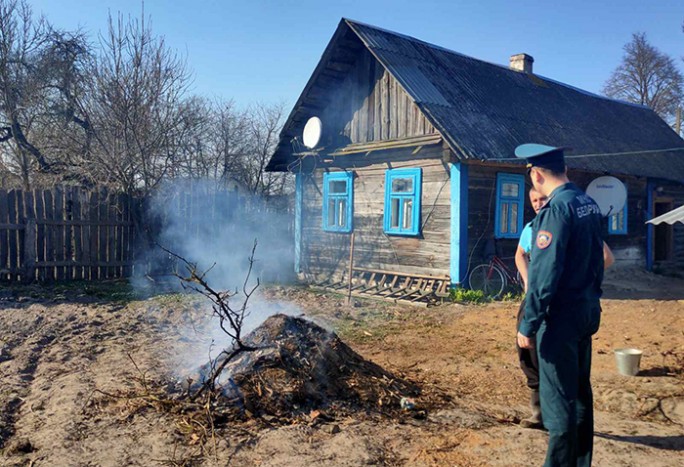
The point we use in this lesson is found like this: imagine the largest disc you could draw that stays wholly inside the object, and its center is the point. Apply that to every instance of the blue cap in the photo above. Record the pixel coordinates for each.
(541, 155)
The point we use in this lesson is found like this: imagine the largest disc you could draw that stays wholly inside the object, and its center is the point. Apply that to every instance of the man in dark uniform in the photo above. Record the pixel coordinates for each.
(562, 308)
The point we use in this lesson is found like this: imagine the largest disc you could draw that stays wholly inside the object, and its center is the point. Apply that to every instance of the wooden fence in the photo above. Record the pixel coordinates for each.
(65, 233)
(75, 234)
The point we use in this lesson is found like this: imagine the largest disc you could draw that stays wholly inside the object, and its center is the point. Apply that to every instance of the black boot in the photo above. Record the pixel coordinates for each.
(535, 420)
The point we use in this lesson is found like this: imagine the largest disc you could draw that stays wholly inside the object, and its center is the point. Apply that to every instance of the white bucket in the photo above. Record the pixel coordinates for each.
(628, 361)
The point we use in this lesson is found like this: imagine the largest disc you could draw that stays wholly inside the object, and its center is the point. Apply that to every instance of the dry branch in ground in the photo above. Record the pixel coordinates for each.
(231, 318)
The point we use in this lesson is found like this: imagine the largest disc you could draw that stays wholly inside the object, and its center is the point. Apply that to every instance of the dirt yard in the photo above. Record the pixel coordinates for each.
(69, 354)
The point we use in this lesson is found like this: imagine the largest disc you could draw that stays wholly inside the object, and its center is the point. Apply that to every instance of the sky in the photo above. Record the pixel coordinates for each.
(266, 50)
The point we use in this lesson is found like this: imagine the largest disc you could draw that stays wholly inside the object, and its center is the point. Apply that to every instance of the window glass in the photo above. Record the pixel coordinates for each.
(509, 190)
(504, 217)
(338, 186)
(407, 214)
(337, 201)
(402, 185)
(514, 218)
(331, 213)
(402, 201)
(509, 211)
(341, 212)
(395, 213)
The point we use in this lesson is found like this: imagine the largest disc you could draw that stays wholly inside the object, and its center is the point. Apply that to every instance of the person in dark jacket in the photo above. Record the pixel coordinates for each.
(562, 309)
(529, 363)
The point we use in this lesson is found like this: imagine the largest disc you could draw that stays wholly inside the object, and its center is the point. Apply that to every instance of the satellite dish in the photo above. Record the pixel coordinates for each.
(609, 193)
(312, 132)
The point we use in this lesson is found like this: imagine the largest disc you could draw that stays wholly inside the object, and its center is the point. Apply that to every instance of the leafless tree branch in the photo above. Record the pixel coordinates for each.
(648, 77)
(231, 318)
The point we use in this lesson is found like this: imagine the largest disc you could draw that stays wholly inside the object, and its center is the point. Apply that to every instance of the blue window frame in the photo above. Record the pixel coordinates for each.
(402, 201)
(338, 189)
(617, 223)
(510, 204)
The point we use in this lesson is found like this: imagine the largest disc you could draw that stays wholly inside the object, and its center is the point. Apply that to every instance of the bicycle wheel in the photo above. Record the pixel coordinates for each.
(519, 282)
(487, 278)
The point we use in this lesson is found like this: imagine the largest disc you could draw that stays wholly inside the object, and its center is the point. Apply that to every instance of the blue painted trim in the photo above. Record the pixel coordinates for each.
(415, 194)
(650, 188)
(502, 178)
(299, 203)
(329, 177)
(619, 231)
(458, 265)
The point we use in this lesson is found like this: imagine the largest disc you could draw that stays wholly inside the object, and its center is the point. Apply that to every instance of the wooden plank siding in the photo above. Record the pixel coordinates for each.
(629, 249)
(327, 253)
(675, 192)
(370, 105)
(481, 212)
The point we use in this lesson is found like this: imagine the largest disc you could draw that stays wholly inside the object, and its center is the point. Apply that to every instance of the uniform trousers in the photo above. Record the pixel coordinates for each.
(564, 350)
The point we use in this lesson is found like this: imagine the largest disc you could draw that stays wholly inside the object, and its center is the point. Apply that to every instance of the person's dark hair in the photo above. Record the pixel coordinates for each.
(553, 173)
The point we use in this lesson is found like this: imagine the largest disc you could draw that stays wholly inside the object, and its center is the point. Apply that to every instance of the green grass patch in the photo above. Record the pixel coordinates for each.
(462, 295)
(513, 296)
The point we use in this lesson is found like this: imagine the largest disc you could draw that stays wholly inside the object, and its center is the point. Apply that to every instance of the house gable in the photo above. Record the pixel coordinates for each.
(357, 99)
(370, 105)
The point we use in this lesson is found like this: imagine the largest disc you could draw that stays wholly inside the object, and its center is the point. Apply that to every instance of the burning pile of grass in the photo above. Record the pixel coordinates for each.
(299, 367)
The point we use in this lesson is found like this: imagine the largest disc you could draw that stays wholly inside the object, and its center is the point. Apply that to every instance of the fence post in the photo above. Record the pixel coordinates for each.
(29, 251)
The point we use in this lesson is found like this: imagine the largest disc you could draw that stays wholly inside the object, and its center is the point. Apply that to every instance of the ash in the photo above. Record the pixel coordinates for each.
(298, 367)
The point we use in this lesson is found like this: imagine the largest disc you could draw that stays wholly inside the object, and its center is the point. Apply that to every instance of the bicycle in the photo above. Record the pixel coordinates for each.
(493, 277)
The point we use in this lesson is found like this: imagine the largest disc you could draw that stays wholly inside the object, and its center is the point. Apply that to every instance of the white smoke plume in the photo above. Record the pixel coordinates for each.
(217, 233)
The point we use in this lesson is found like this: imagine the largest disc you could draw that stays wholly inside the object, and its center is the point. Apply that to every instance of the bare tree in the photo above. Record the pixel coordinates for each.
(21, 39)
(192, 156)
(647, 76)
(41, 73)
(135, 106)
(61, 129)
(116, 113)
(213, 142)
(264, 125)
(230, 139)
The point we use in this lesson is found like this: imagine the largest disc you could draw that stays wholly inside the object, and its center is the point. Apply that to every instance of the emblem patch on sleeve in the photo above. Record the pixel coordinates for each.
(544, 239)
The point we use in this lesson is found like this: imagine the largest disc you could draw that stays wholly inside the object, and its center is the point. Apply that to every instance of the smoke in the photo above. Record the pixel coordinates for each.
(217, 230)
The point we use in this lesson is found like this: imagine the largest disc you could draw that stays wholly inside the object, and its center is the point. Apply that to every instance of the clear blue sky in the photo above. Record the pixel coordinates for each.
(259, 50)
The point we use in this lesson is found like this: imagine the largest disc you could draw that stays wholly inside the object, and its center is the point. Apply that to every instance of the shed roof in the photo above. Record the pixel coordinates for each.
(676, 215)
(484, 110)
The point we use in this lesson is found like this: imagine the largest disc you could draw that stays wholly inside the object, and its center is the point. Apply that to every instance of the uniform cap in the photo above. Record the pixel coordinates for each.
(541, 155)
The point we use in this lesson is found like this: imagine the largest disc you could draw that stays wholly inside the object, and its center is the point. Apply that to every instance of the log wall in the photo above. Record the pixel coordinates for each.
(629, 249)
(675, 193)
(327, 253)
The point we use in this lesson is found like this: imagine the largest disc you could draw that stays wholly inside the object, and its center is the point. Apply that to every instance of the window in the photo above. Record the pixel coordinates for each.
(337, 201)
(617, 223)
(510, 199)
(402, 201)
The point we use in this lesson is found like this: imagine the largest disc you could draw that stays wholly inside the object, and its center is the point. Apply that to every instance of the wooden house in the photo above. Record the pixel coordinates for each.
(416, 158)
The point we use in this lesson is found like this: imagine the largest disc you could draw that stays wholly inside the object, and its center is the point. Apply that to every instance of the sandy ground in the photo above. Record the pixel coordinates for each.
(63, 349)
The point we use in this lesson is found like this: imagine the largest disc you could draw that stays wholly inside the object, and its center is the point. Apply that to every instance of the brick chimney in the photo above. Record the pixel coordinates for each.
(522, 62)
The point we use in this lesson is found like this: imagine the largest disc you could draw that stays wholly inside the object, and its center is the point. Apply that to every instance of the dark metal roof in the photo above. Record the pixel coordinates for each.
(484, 110)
